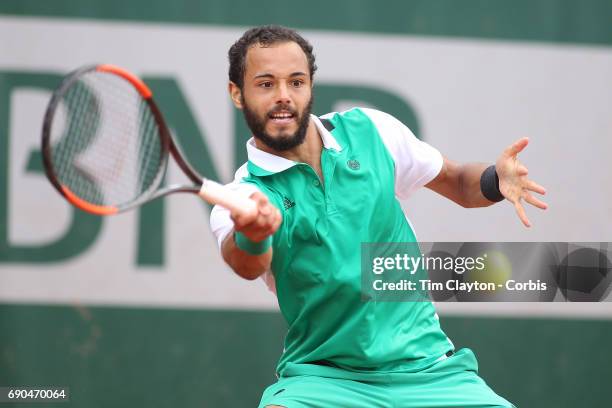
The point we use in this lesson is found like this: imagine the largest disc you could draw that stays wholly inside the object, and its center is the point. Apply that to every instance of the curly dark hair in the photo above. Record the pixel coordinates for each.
(266, 35)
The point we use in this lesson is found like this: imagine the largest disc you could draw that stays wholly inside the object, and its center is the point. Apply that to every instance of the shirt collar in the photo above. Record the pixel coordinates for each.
(263, 163)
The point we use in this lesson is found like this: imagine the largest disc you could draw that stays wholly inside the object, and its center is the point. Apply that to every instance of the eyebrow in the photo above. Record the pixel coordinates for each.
(267, 75)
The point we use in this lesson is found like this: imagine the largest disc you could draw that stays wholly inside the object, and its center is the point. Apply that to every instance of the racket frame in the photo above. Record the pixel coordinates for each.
(168, 146)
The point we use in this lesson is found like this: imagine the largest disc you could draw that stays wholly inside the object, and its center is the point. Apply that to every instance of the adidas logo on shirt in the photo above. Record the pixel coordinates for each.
(288, 203)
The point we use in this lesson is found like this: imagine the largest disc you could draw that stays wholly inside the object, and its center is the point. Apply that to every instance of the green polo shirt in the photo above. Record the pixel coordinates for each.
(369, 160)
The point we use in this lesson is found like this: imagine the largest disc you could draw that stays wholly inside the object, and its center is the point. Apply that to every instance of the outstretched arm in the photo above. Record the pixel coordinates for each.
(461, 182)
(250, 258)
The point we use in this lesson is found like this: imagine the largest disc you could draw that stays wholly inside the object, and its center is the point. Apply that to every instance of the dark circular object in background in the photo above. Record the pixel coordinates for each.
(584, 275)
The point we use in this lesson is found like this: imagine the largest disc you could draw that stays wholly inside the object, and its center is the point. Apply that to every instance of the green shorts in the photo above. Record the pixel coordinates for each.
(451, 382)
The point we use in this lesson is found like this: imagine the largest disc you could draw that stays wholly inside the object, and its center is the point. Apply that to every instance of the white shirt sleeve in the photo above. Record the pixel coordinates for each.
(416, 162)
(220, 222)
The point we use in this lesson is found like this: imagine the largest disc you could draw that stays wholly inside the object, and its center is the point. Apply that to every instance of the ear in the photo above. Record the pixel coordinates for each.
(235, 94)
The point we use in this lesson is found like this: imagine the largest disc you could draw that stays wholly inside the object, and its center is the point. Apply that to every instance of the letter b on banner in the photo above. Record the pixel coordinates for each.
(83, 228)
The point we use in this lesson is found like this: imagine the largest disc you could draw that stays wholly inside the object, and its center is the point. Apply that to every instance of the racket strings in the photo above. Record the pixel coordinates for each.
(78, 132)
(107, 149)
(149, 151)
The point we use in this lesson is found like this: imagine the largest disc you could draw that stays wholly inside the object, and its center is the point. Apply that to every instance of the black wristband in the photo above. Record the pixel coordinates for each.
(489, 185)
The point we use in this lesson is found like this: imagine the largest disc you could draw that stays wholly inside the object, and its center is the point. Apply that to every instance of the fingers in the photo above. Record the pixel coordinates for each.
(528, 197)
(266, 217)
(265, 222)
(516, 147)
(260, 198)
(265, 225)
(520, 211)
(241, 220)
(535, 187)
(277, 219)
(516, 175)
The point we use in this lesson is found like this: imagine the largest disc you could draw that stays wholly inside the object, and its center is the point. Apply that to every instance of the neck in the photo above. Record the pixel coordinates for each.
(308, 152)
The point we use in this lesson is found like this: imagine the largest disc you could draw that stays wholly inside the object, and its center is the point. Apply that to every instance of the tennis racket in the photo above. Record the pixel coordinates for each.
(105, 146)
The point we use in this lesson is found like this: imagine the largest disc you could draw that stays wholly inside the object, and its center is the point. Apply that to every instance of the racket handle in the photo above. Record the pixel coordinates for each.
(216, 193)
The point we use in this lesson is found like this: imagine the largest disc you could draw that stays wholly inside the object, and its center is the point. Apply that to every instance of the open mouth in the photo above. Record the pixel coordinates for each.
(282, 117)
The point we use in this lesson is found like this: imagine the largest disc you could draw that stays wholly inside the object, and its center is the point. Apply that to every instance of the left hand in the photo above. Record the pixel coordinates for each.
(513, 181)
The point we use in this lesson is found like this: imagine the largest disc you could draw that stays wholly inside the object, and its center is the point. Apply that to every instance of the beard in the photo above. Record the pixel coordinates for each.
(284, 141)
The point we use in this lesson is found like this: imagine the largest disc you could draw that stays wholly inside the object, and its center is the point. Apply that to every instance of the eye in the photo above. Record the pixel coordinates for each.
(297, 83)
(266, 84)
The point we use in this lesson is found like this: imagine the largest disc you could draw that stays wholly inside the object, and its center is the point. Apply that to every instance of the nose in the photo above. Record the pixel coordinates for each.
(282, 95)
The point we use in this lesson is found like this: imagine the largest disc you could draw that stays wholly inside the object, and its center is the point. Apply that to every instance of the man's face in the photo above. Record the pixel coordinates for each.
(276, 97)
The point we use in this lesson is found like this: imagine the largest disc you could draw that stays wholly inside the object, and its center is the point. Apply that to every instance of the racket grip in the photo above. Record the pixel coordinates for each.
(218, 194)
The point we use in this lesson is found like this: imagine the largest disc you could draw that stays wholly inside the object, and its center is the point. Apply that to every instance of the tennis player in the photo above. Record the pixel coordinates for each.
(323, 186)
